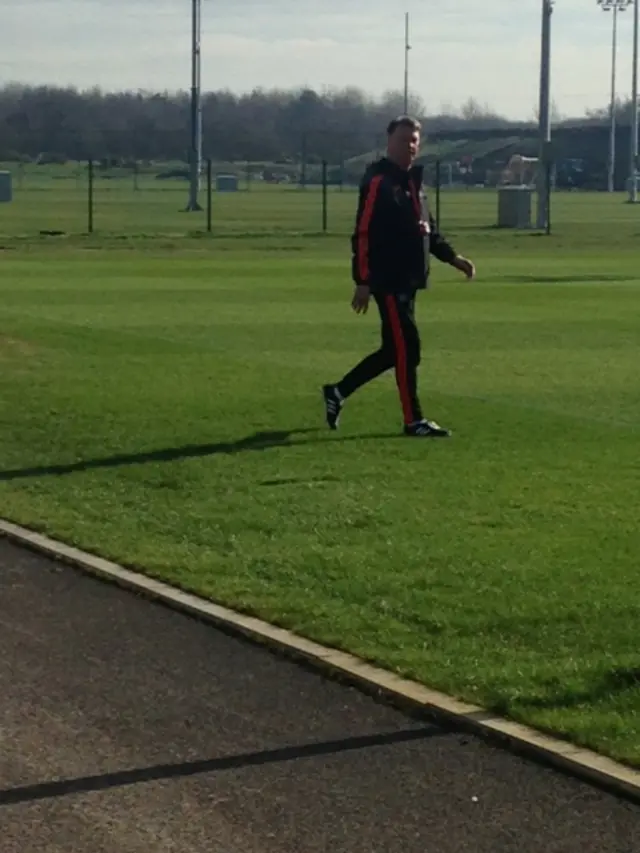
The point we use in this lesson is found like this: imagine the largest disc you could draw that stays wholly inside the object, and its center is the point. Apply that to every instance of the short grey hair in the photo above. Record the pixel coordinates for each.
(403, 121)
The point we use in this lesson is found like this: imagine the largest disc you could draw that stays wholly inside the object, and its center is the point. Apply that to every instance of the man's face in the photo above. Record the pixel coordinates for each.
(403, 147)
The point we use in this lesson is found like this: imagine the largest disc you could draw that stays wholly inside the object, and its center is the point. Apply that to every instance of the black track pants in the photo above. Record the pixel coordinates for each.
(400, 349)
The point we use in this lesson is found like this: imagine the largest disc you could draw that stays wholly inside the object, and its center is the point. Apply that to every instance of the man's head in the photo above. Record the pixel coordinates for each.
(403, 141)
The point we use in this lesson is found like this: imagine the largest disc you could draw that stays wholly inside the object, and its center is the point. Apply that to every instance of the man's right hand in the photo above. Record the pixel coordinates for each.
(360, 301)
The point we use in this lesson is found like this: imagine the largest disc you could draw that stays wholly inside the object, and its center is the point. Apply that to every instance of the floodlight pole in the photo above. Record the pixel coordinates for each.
(407, 48)
(612, 135)
(614, 6)
(195, 148)
(612, 107)
(544, 118)
(633, 142)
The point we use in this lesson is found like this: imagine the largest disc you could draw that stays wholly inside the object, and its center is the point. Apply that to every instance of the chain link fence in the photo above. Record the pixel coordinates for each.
(139, 199)
(146, 199)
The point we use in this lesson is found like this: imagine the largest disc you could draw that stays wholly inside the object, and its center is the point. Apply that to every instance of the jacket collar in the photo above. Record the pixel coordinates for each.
(415, 173)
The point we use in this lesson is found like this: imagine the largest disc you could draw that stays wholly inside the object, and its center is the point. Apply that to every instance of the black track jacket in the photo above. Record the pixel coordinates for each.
(389, 253)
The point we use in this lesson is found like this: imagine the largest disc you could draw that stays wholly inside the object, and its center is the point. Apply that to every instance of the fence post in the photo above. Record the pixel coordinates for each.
(209, 195)
(548, 173)
(438, 183)
(90, 200)
(324, 196)
(303, 165)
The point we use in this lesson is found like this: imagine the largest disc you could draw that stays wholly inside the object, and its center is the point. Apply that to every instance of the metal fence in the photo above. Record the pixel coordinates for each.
(146, 199)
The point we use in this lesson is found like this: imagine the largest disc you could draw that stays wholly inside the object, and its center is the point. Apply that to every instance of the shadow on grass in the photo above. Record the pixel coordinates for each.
(611, 683)
(298, 481)
(138, 775)
(256, 442)
(592, 278)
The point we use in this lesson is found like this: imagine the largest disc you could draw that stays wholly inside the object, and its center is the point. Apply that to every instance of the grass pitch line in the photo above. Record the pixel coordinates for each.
(585, 764)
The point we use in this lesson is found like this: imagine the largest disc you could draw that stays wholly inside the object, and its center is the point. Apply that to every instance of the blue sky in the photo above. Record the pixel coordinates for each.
(461, 48)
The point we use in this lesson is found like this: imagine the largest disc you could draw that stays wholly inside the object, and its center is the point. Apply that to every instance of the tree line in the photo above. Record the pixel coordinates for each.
(260, 126)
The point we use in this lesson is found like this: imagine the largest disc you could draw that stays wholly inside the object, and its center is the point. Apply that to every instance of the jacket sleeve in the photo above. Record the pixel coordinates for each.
(367, 218)
(438, 246)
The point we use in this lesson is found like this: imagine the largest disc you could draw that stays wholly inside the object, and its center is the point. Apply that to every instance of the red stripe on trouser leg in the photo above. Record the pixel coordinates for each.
(401, 358)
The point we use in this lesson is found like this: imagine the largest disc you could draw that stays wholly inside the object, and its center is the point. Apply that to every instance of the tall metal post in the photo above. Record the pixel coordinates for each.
(611, 177)
(544, 120)
(633, 142)
(614, 6)
(407, 48)
(195, 148)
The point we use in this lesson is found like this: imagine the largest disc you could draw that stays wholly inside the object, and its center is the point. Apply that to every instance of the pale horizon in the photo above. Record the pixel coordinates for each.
(464, 51)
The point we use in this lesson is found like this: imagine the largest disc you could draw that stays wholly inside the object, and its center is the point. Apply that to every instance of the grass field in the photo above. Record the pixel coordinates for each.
(160, 406)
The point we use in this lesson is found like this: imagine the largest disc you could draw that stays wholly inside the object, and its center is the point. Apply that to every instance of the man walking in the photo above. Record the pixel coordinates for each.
(393, 238)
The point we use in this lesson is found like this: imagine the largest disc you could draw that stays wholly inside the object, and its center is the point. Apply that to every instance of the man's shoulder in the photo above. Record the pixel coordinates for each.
(374, 171)
(382, 168)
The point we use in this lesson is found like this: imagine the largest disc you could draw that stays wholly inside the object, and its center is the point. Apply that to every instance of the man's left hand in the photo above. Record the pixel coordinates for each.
(465, 266)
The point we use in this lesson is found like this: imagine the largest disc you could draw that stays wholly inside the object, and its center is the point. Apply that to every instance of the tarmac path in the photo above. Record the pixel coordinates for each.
(126, 727)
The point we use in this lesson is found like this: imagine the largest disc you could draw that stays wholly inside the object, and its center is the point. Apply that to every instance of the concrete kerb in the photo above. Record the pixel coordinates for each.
(411, 696)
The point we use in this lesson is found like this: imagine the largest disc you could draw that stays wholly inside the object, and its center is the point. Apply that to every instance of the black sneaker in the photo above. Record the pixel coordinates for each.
(426, 429)
(333, 405)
